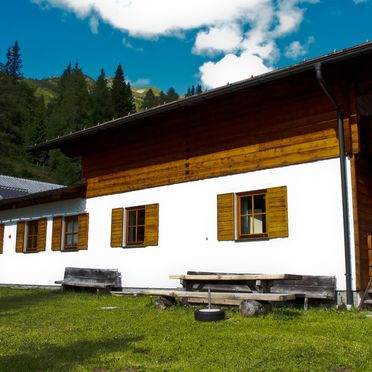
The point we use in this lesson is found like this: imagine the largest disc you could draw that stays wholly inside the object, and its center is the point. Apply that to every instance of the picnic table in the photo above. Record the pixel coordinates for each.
(255, 283)
(231, 289)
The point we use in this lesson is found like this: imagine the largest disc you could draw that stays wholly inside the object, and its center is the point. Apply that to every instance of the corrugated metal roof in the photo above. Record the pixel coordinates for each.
(11, 187)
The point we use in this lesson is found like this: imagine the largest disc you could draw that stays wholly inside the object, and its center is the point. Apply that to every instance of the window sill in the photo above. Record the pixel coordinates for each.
(134, 246)
(69, 250)
(252, 238)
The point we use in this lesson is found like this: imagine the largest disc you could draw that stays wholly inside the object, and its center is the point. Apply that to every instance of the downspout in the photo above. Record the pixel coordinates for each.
(344, 188)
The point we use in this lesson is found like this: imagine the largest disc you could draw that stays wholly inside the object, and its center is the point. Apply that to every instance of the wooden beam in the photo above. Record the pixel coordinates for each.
(220, 295)
(222, 277)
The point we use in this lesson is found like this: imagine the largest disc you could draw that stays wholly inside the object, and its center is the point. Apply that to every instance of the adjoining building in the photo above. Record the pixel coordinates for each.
(13, 187)
(246, 178)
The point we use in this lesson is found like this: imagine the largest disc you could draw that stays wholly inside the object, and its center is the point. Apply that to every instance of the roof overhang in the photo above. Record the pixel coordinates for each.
(66, 142)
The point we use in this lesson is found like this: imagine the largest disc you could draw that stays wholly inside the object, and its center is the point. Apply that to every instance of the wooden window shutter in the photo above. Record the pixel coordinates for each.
(41, 234)
(117, 215)
(83, 221)
(1, 237)
(20, 237)
(277, 214)
(151, 224)
(57, 234)
(225, 217)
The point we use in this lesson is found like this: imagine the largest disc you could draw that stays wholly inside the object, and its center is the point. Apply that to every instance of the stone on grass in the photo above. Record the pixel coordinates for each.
(253, 308)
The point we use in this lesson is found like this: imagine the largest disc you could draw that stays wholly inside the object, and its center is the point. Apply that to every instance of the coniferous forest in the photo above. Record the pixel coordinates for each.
(32, 111)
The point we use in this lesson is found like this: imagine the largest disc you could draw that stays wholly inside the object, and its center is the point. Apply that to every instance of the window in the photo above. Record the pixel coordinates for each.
(31, 236)
(31, 240)
(252, 215)
(135, 226)
(70, 233)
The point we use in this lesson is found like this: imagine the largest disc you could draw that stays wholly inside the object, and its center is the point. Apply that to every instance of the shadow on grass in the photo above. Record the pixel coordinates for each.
(25, 299)
(66, 357)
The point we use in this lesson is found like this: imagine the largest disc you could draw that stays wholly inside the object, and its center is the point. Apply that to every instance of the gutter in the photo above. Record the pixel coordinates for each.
(344, 188)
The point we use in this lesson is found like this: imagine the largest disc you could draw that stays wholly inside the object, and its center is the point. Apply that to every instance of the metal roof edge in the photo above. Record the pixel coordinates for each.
(63, 191)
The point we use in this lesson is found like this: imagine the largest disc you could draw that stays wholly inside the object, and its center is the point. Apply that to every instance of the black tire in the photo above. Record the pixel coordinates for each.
(209, 315)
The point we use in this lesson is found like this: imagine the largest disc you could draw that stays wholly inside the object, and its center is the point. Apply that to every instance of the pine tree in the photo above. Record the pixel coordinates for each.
(129, 103)
(188, 93)
(101, 100)
(149, 100)
(13, 64)
(69, 112)
(171, 95)
(121, 95)
(20, 112)
(192, 92)
(162, 98)
(199, 89)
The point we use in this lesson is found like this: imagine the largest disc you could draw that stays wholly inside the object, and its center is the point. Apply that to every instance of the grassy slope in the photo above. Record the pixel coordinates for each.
(49, 330)
(48, 88)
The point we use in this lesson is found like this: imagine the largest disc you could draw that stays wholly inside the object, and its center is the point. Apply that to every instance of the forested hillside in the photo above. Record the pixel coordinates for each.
(32, 111)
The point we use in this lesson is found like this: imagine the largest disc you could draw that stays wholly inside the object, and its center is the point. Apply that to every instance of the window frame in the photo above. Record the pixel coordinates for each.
(31, 232)
(66, 220)
(239, 196)
(136, 226)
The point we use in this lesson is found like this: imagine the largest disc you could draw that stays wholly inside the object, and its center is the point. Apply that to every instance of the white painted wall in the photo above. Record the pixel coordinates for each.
(188, 232)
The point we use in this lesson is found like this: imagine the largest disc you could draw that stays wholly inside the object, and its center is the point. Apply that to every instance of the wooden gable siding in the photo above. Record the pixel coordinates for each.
(362, 200)
(257, 129)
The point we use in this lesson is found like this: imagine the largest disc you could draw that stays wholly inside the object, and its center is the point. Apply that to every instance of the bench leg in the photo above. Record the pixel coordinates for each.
(306, 303)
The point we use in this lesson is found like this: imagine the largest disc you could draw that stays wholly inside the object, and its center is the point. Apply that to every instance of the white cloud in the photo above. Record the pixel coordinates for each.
(226, 38)
(295, 49)
(232, 68)
(245, 31)
(93, 24)
(149, 18)
(289, 17)
(360, 1)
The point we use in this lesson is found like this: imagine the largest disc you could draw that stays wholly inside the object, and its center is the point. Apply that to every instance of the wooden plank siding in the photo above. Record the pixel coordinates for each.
(218, 138)
(362, 199)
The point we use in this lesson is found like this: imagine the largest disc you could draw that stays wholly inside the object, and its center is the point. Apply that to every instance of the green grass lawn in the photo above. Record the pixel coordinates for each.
(43, 330)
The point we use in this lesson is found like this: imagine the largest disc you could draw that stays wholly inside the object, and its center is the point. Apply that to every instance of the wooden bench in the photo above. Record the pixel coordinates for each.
(101, 279)
(310, 287)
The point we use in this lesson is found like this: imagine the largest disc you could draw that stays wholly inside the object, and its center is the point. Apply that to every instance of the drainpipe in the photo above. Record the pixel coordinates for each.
(345, 205)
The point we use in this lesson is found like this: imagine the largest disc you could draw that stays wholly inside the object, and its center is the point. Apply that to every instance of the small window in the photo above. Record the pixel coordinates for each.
(135, 226)
(71, 232)
(31, 238)
(259, 214)
(251, 215)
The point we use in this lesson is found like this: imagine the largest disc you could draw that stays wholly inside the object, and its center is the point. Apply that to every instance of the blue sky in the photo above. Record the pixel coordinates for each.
(179, 42)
